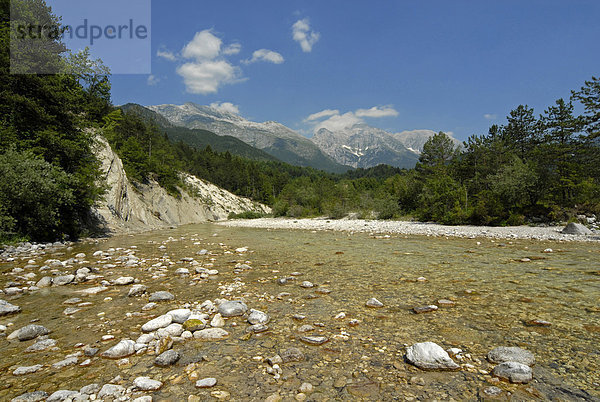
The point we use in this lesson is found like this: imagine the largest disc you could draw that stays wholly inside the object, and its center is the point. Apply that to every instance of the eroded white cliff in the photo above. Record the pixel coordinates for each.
(128, 208)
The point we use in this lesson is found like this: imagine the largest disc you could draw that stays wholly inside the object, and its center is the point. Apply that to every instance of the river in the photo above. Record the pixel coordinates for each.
(497, 289)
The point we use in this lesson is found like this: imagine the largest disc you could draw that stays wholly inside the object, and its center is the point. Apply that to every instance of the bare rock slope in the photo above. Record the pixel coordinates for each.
(129, 208)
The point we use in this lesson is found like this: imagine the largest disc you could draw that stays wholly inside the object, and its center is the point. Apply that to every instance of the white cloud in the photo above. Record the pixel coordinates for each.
(204, 46)
(490, 116)
(208, 70)
(377, 111)
(152, 80)
(208, 76)
(321, 114)
(336, 122)
(225, 107)
(166, 54)
(339, 122)
(232, 49)
(265, 55)
(303, 35)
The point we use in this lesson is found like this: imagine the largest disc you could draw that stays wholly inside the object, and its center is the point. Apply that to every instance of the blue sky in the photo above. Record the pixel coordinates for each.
(456, 66)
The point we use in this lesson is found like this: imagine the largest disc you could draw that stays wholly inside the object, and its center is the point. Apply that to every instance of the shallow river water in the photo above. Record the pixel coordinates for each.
(498, 288)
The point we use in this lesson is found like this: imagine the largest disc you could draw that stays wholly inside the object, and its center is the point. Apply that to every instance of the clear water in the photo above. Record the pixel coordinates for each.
(495, 294)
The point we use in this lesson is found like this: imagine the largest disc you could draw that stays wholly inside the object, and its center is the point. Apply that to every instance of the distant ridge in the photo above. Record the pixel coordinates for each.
(199, 138)
(273, 138)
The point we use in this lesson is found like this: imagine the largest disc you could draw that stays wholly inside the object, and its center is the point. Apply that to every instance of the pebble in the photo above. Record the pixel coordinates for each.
(34, 396)
(206, 382)
(61, 395)
(124, 348)
(217, 321)
(63, 280)
(307, 284)
(232, 308)
(180, 315)
(314, 340)
(211, 334)
(258, 317)
(159, 322)
(124, 280)
(306, 388)
(40, 345)
(167, 358)
(28, 332)
(194, 324)
(137, 290)
(147, 384)
(69, 361)
(446, 303)
(373, 302)
(161, 295)
(292, 354)
(111, 391)
(27, 369)
(257, 328)
(425, 309)
(503, 354)
(514, 372)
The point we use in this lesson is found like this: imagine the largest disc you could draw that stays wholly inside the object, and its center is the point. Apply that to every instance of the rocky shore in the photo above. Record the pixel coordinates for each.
(415, 228)
(181, 316)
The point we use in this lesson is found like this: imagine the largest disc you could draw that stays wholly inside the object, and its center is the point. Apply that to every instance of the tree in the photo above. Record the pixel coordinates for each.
(521, 132)
(589, 96)
(437, 153)
(557, 155)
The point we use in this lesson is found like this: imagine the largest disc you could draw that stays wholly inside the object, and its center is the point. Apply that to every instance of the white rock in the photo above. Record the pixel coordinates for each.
(159, 322)
(147, 384)
(217, 321)
(211, 334)
(206, 382)
(258, 317)
(430, 356)
(373, 302)
(180, 315)
(124, 348)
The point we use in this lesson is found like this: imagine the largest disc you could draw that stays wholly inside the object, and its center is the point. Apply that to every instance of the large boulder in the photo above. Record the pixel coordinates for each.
(576, 229)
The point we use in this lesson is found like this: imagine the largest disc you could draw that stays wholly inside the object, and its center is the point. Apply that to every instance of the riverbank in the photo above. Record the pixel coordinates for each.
(413, 228)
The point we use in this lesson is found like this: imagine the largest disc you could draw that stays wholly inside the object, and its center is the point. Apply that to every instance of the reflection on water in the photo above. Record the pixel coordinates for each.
(495, 295)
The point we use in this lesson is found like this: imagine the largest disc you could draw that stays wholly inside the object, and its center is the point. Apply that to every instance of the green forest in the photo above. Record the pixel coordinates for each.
(535, 168)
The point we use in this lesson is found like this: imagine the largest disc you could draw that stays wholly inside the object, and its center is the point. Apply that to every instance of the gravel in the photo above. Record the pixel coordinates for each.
(412, 228)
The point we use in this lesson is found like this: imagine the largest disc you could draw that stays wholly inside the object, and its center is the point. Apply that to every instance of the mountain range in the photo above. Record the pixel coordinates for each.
(358, 146)
(271, 137)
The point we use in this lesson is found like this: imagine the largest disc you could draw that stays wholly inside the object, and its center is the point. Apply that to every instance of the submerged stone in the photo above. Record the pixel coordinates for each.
(374, 303)
(503, 354)
(514, 372)
(232, 308)
(7, 308)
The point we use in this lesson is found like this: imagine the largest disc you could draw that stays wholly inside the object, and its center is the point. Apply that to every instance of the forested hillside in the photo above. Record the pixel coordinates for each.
(47, 169)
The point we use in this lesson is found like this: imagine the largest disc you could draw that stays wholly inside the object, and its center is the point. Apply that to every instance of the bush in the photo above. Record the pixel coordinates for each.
(36, 197)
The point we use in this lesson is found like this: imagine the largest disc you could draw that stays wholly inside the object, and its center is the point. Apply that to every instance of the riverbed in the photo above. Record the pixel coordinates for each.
(542, 296)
